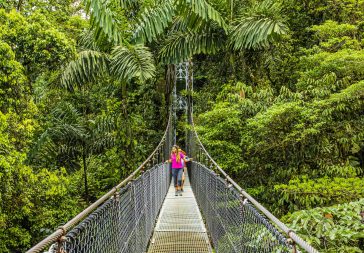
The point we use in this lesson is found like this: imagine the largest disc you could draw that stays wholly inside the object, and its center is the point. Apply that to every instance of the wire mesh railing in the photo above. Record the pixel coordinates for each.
(125, 222)
(123, 219)
(233, 224)
(235, 221)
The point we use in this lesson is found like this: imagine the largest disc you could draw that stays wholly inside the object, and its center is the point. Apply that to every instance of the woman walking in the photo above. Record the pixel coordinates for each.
(177, 160)
(184, 165)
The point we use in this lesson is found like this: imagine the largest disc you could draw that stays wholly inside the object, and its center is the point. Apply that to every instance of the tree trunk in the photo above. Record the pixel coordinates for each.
(19, 5)
(231, 11)
(84, 149)
(125, 117)
(170, 77)
(85, 174)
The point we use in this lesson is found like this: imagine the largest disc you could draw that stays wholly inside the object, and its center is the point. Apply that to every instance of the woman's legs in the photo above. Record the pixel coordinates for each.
(175, 175)
(177, 178)
(184, 172)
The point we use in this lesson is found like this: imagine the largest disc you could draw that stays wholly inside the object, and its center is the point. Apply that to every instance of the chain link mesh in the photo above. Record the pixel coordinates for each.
(233, 224)
(125, 222)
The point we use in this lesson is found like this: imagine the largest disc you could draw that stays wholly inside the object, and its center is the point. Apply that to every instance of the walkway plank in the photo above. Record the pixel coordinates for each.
(180, 228)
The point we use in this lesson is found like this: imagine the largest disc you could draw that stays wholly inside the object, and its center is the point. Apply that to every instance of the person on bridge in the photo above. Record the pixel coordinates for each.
(185, 161)
(184, 167)
(178, 160)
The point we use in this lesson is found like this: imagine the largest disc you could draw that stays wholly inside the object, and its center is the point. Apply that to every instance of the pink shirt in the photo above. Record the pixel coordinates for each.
(175, 164)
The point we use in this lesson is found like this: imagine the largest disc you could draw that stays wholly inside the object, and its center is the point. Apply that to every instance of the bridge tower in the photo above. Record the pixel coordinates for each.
(184, 73)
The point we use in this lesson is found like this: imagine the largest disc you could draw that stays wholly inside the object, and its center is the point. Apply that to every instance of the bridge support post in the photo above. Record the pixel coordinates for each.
(292, 243)
(118, 216)
(61, 241)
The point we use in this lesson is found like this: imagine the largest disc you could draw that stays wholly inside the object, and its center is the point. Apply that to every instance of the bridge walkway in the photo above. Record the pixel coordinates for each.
(180, 227)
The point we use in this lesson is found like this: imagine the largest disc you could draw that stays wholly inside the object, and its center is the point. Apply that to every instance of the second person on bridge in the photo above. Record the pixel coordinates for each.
(177, 160)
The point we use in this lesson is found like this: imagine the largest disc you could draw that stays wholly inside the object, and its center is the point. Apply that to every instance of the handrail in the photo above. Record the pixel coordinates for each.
(291, 234)
(61, 231)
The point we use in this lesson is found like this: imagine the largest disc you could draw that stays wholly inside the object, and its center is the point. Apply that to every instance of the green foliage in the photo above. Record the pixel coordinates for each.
(182, 45)
(88, 66)
(259, 26)
(344, 63)
(132, 62)
(37, 45)
(12, 79)
(27, 211)
(104, 19)
(280, 89)
(331, 29)
(305, 193)
(312, 138)
(153, 21)
(221, 139)
(330, 229)
(292, 128)
(303, 15)
(203, 10)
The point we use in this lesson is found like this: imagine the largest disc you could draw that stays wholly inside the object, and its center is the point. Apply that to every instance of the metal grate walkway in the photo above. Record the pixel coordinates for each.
(180, 227)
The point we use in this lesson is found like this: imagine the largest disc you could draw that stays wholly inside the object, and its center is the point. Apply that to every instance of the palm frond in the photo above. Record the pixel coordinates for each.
(132, 61)
(68, 132)
(86, 68)
(103, 19)
(153, 21)
(103, 142)
(202, 9)
(66, 112)
(86, 41)
(180, 46)
(256, 32)
(261, 25)
(62, 138)
(67, 150)
(42, 143)
(125, 4)
(104, 123)
(191, 22)
(66, 123)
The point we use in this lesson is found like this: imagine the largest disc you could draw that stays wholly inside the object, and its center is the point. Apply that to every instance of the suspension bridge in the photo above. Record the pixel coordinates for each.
(142, 214)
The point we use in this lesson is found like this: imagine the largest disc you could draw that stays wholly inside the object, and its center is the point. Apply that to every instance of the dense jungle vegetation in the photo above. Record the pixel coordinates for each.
(279, 104)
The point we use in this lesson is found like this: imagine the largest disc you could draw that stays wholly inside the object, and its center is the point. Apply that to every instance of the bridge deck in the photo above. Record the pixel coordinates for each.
(180, 227)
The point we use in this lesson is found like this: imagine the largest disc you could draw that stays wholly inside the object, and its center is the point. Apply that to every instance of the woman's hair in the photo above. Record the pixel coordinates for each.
(178, 155)
(180, 150)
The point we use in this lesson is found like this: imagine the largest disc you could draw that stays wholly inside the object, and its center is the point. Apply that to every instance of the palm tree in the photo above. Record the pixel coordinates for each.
(73, 137)
(132, 58)
(175, 29)
(194, 26)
